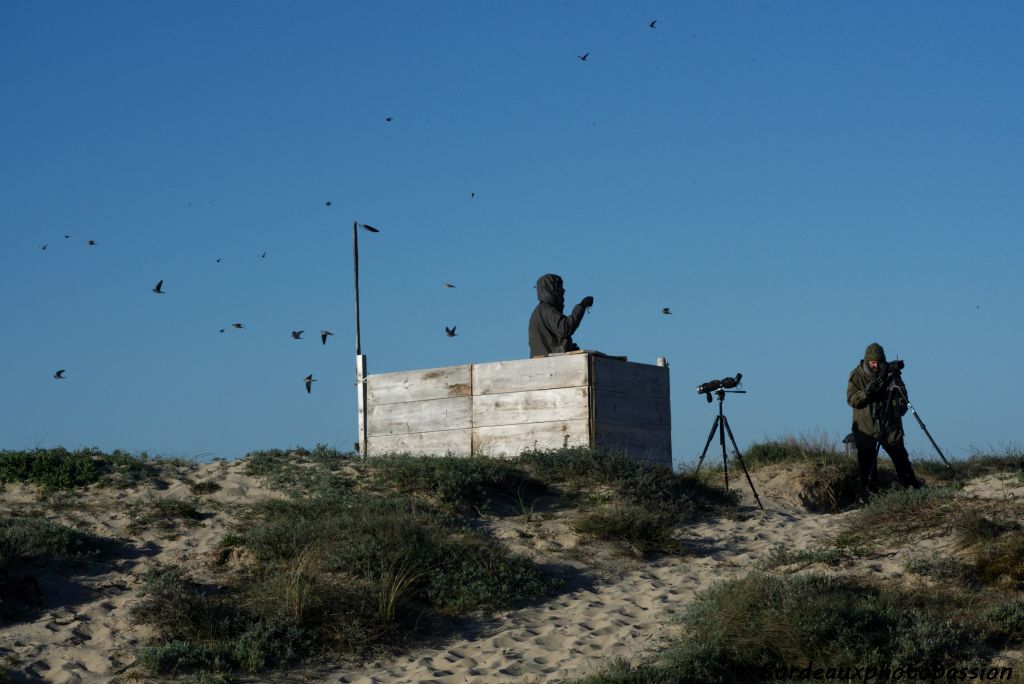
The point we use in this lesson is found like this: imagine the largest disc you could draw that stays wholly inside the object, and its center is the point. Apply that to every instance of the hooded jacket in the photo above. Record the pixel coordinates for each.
(876, 414)
(550, 330)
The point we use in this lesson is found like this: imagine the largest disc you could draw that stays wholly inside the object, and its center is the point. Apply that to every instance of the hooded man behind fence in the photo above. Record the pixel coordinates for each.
(878, 397)
(551, 330)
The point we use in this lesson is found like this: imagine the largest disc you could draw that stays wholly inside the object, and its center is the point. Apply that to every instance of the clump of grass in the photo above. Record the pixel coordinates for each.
(978, 464)
(165, 514)
(59, 468)
(458, 483)
(643, 529)
(33, 537)
(817, 448)
(828, 479)
(756, 627)
(298, 471)
(205, 487)
(781, 556)
(898, 515)
(583, 468)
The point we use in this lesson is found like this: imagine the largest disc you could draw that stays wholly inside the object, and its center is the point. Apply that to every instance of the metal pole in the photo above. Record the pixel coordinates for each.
(355, 259)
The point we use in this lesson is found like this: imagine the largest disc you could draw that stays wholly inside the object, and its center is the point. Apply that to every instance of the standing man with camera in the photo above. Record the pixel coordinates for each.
(878, 397)
(550, 329)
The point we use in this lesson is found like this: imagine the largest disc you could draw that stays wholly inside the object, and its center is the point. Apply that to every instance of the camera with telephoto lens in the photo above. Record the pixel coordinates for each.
(714, 385)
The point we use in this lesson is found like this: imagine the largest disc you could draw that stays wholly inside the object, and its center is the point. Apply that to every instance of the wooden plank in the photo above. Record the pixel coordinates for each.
(439, 443)
(634, 410)
(654, 446)
(361, 400)
(630, 378)
(418, 416)
(420, 385)
(537, 406)
(510, 440)
(552, 372)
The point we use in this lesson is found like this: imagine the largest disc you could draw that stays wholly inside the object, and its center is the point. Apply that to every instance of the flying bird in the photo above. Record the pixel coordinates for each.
(472, 194)
(59, 375)
(389, 118)
(222, 330)
(297, 334)
(653, 23)
(237, 325)
(666, 311)
(450, 332)
(91, 243)
(369, 228)
(264, 255)
(324, 334)
(327, 204)
(66, 237)
(583, 57)
(159, 288)
(449, 285)
(220, 260)
(309, 383)
(45, 246)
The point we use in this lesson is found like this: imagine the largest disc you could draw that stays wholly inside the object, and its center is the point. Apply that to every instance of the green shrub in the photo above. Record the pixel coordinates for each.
(205, 487)
(644, 529)
(898, 515)
(459, 483)
(781, 556)
(52, 468)
(744, 629)
(165, 514)
(298, 471)
(35, 537)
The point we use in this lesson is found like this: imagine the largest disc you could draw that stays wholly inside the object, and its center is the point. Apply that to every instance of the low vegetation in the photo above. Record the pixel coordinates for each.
(767, 627)
(59, 468)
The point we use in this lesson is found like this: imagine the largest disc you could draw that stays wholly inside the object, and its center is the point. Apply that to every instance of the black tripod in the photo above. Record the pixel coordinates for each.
(721, 424)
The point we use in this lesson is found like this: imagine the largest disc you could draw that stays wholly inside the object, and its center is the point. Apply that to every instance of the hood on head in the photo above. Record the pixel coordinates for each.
(874, 352)
(550, 290)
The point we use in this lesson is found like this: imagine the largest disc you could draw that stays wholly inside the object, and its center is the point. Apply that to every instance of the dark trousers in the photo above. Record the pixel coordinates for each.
(867, 461)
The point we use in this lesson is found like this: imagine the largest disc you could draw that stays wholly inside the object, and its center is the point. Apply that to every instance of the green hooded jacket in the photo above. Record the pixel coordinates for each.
(551, 330)
(875, 414)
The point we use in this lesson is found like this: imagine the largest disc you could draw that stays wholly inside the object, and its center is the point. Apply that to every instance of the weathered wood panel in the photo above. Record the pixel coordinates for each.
(510, 440)
(552, 372)
(630, 378)
(635, 410)
(537, 406)
(649, 445)
(439, 443)
(419, 416)
(421, 385)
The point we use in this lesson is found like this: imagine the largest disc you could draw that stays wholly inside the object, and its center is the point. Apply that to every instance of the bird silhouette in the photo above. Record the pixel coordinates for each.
(222, 330)
(91, 243)
(583, 57)
(45, 246)
(666, 311)
(263, 256)
(239, 326)
(66, 237)
(369, 228)
(309, 383)
(450, 332)
(327, 204)
(472, 194)
(159, 288)
(220, 260)
(389, 118)
(449, 285)
(59, 375)
(297, 334)
(324, 334)
(653, 23)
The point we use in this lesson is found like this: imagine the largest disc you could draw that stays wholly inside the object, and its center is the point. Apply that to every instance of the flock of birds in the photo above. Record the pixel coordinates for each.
(324, 334)
(295, 334)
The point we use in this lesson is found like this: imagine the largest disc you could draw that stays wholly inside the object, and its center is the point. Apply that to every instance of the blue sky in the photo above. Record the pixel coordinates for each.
(794, 179)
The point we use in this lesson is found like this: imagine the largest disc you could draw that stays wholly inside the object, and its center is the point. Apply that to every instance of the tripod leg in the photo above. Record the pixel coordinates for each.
(739, 456)
(711, 435)
(725, 461)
